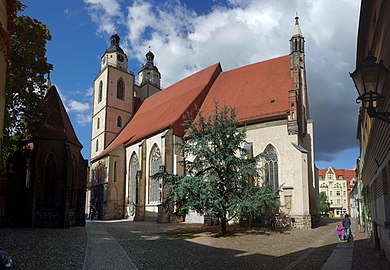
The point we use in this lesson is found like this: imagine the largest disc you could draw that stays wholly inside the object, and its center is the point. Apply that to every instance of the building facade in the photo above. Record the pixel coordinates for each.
(373, 134)
(337, 185)
(48, 177)
(277, 124)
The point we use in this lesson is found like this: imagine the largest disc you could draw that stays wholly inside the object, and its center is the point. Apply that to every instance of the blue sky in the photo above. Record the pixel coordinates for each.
(188, 35)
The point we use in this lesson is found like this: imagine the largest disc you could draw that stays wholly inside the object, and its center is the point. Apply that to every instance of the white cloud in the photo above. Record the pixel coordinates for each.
(111, 7)
(248, 31)
(77, 106)
(104, 13)
(89, 92)
(184, 42)
(83, 119)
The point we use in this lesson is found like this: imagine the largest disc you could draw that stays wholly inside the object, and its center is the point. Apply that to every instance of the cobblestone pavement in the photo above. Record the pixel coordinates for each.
(58, 249)
(186, 246)
(174, 246)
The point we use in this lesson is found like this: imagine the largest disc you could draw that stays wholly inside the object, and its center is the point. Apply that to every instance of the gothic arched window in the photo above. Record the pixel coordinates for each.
(133, 187)
(120, 89)
(98, 123)
(119, 121)
(271, 166)
(154, 185)
(50, 179)
(100, 92)
(97, 145)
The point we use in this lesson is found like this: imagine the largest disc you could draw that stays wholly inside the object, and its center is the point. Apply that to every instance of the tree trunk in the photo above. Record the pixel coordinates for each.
(223, 223)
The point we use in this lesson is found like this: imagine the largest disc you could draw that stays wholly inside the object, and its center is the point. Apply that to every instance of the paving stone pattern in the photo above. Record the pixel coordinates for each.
(147, 245)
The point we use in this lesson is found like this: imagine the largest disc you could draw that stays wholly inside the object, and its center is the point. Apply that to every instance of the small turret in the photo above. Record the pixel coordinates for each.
(149, 72)
(114, 55)
(297, 41)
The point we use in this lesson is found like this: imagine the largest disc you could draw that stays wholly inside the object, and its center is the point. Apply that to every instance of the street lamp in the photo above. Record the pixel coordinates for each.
(370, 79)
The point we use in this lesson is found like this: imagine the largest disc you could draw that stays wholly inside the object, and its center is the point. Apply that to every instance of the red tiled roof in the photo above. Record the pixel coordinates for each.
(257, 91)
(167, 108)
(57, 124)
(346, 174)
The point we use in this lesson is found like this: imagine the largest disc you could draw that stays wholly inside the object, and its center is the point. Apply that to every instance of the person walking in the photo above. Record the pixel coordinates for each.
(340, 232)
(347, 227)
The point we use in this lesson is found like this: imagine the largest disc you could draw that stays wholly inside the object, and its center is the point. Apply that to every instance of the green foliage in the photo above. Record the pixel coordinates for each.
(324, 203)
(365, 211)
(26, 79)
(220, 181)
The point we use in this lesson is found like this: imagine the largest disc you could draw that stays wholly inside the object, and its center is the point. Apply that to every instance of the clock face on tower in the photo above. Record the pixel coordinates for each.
(120, 58)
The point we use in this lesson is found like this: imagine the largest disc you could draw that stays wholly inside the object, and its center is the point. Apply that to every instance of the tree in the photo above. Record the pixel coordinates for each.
(25, 84)
(219, 182)
(324, 203)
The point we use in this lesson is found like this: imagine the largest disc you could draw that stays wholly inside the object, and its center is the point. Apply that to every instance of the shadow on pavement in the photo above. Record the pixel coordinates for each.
(178, 249)
(188, 246)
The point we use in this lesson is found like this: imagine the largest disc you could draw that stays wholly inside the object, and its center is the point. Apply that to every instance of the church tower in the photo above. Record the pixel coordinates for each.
(149, 78)
(298, 104)
(112, 99)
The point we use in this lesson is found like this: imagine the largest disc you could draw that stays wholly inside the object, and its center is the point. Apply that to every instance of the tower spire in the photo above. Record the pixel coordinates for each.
(297, 29)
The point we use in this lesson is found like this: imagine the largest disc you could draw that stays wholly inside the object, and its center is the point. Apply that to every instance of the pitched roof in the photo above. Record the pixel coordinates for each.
(346, 174)
(167, 108)
(257, 91)
(57, 125)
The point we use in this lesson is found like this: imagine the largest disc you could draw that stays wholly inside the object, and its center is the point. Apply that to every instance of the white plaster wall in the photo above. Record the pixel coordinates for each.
(101, 138)
(292, 163)
(102, 77)
(97, 131)
(98, 112)
(112, 60)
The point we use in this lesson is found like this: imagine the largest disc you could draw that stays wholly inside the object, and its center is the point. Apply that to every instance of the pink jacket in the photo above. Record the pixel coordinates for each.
(340, 230)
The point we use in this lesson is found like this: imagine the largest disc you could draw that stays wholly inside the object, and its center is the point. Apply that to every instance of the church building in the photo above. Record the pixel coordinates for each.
(136, 128)
(47, 179)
